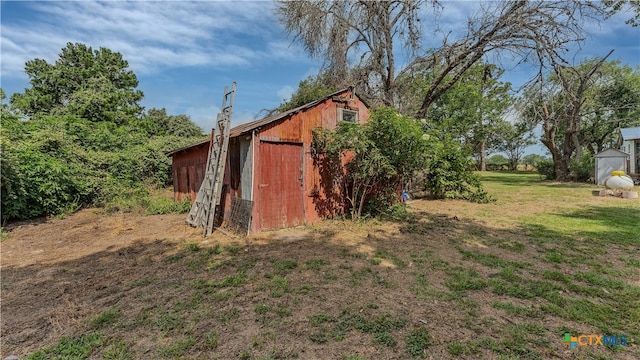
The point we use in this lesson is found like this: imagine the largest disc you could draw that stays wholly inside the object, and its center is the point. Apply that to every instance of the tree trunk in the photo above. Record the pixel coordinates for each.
(483, 156)
(562, 167)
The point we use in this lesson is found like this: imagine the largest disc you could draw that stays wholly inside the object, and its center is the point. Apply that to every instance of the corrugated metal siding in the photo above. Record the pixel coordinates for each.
(280, 186)
(321, 197)
(278, 147)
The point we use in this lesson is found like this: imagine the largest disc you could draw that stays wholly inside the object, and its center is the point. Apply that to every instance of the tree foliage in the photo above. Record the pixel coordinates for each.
(309, 89)
(92, 84)
(359, 40)
(627, 6)
(379, 156)
(448, 174)
(579, 108)
(533, 160)
(66, 143)
(156, 122)
(339, 32)
(497, 162)
(471, 111)
(513, 139)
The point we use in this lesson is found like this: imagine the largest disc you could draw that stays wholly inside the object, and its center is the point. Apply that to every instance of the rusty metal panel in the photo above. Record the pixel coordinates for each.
(194, 181)
(281, 185)
(188, 170)
(323, 197)
(318, 197)
(286, 130)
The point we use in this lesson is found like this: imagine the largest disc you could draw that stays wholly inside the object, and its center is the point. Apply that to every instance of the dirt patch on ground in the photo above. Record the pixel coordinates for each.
(333, 290)
(84, 233)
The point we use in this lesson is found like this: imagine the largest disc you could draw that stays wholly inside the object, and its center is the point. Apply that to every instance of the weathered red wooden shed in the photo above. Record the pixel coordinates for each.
(270, 163)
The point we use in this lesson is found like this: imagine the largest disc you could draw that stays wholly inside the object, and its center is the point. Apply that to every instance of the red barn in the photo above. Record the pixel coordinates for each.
(270, 163)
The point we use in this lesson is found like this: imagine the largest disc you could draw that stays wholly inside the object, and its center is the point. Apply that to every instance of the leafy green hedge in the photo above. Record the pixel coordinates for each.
(54, 165)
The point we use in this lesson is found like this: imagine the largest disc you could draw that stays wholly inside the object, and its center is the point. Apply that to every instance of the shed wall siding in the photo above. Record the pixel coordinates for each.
(188, 172)
(605, 165)
(322, 198)
(244, 173)
(632, 147)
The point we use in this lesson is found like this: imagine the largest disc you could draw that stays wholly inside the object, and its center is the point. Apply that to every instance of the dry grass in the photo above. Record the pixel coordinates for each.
(455, 280)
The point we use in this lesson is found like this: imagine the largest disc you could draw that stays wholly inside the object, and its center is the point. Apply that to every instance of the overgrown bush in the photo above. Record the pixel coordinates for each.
(53, 165)
(448, 175)
(547, 169)
(79, 137)
(379, 155)
(584, 169)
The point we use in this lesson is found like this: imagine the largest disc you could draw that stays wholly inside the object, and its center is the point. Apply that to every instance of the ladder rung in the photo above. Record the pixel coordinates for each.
(204, 208)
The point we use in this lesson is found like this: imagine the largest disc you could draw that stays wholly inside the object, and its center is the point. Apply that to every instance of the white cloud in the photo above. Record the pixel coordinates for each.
(285, 92)
(150, 35)
(204, 116)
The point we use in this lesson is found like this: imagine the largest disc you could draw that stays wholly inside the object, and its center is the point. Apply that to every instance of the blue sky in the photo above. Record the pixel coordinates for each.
(184, 53)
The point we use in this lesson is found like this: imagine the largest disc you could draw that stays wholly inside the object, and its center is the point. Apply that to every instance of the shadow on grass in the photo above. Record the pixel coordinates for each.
(233, 300)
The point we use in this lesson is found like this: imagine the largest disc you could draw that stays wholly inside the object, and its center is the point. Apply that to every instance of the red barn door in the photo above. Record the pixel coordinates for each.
(281, 185)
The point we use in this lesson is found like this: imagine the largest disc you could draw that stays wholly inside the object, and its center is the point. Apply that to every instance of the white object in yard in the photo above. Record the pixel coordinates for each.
(630, 194)
(608, 161)
(619, 181)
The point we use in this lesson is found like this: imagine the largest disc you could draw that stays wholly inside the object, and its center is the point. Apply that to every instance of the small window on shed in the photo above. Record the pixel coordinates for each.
(347, 115)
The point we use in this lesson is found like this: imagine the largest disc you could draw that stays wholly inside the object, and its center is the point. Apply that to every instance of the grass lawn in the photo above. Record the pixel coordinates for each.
(454, 280)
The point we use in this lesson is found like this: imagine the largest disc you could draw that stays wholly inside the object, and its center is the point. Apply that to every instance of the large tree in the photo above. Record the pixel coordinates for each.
(579, 107)
(513, 140)
(612, 102)
(359, 40)
(372, 31)
(471, 111)
(92, 84)
(627, 6)
(78, 137)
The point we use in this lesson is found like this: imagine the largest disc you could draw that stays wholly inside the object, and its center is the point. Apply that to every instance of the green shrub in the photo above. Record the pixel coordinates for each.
(384, 152)
(164, 205)
(396, 211)
(547, 169)
(584, 169)
(118, 196)
(448, 174)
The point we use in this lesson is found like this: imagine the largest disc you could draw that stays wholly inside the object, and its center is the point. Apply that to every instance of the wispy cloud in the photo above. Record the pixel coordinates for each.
(150, 35)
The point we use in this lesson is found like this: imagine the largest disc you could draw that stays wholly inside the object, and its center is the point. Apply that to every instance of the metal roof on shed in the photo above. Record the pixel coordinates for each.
(611, 153)
(630, 133)
(245, 128)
